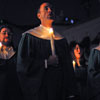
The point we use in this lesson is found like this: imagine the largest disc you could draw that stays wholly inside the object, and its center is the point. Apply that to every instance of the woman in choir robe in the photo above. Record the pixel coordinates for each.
(80, 69)
(45, 73)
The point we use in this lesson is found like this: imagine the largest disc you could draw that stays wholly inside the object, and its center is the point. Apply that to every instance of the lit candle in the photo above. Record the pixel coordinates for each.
(73, 64)
(52, 41)
(0, 46)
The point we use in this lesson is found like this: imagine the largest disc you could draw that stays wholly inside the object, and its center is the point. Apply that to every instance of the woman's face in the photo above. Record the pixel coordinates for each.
(77, 51)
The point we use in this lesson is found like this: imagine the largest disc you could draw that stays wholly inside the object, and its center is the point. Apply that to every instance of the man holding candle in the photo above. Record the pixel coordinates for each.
(43, 65)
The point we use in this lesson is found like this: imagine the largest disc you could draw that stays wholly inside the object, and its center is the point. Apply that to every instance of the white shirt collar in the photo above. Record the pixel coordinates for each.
(7, 53)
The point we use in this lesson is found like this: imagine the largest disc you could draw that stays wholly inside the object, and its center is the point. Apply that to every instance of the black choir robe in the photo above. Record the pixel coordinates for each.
(9, 85)
(81, 79)
(38, 82)
(94, 74)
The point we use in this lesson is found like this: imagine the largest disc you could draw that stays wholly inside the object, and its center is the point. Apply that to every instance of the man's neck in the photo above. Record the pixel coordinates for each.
(6, 44)
(47, 24)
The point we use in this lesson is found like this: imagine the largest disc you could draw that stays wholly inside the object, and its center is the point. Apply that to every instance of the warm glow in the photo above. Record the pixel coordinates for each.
(51, 31)
(0, 44)
(52, 41)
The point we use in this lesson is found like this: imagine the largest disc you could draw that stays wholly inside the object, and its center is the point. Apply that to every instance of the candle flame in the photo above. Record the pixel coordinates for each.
(51, 31)
(0, 44)
(74, 63)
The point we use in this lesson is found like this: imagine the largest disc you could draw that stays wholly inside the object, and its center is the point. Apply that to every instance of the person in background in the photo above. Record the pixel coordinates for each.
(9, 87)
(94, 71)
(95, 41)
(44, 63)
(86, 44)
(80, 69)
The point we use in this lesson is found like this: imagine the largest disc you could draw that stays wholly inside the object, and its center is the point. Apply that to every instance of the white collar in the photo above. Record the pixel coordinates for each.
(7, 53)
(43, 33)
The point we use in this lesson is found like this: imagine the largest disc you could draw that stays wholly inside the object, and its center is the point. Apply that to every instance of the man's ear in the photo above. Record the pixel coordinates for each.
(38, 15)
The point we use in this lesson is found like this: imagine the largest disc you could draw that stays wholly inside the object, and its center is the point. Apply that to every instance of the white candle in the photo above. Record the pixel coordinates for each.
(52, 41)
(0, 44)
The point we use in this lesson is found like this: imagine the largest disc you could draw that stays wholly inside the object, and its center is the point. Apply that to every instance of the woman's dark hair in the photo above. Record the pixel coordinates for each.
(72, 47)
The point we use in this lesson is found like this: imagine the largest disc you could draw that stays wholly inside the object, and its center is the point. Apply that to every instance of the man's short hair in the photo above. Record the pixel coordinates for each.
(5, 26)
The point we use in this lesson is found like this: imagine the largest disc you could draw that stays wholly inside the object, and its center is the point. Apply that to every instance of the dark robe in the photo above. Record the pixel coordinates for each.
(94, 74)
(38, 82)
(81, 79)
(9, 85)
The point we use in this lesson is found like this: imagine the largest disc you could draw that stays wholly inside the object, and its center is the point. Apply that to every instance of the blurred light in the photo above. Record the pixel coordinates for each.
(0, 44)
(1, 21)
(72, 21)
(66, 19)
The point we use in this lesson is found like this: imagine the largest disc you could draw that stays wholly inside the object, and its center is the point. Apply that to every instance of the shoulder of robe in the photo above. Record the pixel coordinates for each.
(37, 32)
(30, 31)
(58, 36)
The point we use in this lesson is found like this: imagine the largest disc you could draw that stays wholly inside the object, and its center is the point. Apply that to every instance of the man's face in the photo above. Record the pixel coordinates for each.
(5, 36)
(46, 13)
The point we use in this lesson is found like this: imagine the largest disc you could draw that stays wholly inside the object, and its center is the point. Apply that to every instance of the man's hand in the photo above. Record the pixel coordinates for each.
(53, 60)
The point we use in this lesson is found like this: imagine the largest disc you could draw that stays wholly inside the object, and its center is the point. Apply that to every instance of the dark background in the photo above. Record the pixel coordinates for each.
(23, 12)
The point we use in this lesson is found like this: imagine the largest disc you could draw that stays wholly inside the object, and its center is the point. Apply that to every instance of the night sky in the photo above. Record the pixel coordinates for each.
(23, 12)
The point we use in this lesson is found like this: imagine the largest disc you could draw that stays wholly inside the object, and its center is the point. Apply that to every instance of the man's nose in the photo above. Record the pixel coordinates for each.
(49, 9)
(79, 50)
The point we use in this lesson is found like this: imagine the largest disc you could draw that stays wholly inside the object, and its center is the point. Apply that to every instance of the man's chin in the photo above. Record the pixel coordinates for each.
(50, 19)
